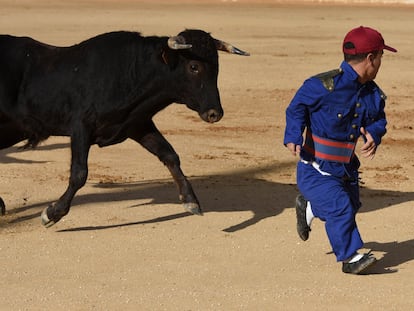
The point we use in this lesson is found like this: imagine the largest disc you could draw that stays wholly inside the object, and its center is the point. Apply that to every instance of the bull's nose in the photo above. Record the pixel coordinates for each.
(212, 116)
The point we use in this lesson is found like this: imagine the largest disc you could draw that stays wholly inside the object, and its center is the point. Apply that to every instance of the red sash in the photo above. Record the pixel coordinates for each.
(328, 149)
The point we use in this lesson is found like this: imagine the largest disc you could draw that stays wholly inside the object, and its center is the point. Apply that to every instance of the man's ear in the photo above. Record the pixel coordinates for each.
(371, 57)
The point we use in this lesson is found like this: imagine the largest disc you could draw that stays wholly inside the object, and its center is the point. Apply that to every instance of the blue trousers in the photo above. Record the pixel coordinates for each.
(335, 201)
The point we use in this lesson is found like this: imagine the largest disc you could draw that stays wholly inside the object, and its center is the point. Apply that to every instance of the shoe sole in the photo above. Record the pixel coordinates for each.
(301, 226)
(364, 266)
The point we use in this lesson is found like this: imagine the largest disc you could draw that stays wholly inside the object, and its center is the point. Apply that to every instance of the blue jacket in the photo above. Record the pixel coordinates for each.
(336, 114)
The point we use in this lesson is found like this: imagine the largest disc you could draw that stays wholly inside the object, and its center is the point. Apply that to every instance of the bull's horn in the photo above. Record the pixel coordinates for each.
(178, 43)
(227, 47)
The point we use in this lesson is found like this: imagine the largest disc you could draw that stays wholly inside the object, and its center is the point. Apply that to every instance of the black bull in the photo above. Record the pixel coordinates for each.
(103, 91)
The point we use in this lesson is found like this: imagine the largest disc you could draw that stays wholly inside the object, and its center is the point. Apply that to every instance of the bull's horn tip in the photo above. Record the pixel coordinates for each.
(240, 52)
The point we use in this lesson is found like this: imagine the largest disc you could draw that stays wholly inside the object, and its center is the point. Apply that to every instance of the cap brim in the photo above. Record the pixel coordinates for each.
(388, 48)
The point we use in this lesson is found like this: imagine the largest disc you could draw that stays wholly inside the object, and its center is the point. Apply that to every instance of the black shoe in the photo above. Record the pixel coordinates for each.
(359, 266)
(301, 223)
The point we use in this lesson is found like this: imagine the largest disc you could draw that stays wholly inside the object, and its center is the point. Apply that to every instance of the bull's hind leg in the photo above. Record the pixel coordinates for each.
(154, 142)
(80, 146)
(2, 207)
(10, 134)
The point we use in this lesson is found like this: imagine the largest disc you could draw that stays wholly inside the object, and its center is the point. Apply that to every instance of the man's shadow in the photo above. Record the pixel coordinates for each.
(395, 254)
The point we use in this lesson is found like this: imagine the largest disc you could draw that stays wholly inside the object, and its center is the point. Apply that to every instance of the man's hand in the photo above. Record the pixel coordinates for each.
(369, 148)
(294, 149)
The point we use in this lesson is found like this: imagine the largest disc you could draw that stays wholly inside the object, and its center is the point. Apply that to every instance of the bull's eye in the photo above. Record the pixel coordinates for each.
(194, 68)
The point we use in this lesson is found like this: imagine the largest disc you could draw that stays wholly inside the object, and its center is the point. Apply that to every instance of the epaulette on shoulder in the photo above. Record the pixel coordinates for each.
(327, 78)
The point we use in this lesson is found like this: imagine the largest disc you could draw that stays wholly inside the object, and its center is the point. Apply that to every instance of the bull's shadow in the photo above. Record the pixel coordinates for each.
(5, 154)
(235, 191)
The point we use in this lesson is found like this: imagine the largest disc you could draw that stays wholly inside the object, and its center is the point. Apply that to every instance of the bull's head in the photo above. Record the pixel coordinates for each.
(198, 66)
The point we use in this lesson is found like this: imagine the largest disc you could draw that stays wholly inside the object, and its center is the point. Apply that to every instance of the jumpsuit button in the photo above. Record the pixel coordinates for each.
(339, 115)
(351, 137)
(354, 126)
(355, 115)
(358, 105)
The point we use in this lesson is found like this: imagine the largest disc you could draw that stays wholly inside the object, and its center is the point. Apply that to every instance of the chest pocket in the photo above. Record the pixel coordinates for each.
(339, 112)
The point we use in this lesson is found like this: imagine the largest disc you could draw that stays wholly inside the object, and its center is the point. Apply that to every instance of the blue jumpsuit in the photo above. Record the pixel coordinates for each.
(336, 114)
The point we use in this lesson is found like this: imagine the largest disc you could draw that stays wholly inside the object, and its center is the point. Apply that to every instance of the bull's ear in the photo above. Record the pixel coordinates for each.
(169, 57)
(178, 43)
(227, 47)
(164, 57)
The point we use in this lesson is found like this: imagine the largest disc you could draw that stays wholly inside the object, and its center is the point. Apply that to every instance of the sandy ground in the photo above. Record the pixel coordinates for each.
(127, 243)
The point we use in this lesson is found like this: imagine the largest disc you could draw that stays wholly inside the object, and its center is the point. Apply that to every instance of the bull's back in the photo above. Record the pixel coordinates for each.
(12, 50)
(12, 64)
(16, 67)
(15, 54)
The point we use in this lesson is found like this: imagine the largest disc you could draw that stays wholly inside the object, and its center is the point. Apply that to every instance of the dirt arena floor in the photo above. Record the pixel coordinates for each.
(127, 243)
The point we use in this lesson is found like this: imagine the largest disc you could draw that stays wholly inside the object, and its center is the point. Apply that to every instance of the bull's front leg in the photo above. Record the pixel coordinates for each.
(152, 140)
(80, 145)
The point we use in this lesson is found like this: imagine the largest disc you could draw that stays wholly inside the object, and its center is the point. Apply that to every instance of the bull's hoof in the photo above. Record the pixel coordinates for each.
(2, 207)
(45, 219)
(193, 208)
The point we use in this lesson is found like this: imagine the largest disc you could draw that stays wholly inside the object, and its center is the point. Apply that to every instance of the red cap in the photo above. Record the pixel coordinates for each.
(364, 40)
